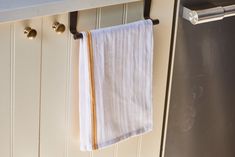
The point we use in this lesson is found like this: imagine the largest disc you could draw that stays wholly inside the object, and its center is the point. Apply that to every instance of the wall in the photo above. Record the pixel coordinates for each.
(38, 85)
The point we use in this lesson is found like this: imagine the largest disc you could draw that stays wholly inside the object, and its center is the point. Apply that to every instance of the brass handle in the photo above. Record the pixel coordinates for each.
(58, 27)
(30, 33)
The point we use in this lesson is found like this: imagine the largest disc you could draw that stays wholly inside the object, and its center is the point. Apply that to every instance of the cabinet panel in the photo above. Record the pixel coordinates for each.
(111, 16)
(163, 10)
(135, 11)
(44, 71)
(27, 90)
(54, 97)
(26, 9)
(86, 21)
(15, 4)
(131, 146)
(5, 90)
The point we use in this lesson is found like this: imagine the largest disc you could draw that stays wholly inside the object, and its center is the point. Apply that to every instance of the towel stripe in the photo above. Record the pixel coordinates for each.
(92, 92)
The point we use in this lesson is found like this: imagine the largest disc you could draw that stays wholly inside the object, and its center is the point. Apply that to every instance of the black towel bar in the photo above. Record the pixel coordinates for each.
(74, 15)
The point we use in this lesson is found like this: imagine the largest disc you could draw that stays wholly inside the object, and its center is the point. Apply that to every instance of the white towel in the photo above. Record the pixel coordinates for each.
(115, 84)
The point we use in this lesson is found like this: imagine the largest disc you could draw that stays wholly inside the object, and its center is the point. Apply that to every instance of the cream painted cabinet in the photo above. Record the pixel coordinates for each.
(38, 85)
(20, 90)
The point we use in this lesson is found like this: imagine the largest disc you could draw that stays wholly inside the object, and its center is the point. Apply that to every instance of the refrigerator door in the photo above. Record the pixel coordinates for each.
(201, 121)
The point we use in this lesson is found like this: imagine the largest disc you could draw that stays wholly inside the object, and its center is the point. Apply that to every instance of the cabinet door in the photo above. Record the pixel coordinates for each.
(201, 118)
(86, 21)
(6, 90)
(55, 88)
(20, 61)
(38, 85)
(131, 147)
(26, 63)
(109, 16)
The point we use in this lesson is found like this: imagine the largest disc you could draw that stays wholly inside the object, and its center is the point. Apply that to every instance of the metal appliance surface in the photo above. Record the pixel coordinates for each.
(201, 121)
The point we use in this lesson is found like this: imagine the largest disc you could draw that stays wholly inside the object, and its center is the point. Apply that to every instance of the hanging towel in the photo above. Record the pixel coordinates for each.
(115, 84)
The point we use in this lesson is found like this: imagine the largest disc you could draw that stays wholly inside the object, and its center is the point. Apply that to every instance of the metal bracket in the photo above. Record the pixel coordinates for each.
(147, 7)
(73, 18)
(74, 15)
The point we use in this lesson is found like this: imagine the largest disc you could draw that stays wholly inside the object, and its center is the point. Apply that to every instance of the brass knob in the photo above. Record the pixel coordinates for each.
(30, 33)
(58, 27)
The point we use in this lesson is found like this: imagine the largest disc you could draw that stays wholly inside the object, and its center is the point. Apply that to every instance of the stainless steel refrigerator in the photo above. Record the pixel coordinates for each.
(201, 120)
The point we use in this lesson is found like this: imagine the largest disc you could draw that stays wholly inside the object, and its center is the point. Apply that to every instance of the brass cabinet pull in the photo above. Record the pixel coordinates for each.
(58, 27)
(30, 33)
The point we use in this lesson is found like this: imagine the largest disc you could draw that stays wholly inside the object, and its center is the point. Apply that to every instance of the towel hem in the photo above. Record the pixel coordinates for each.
(119, 139)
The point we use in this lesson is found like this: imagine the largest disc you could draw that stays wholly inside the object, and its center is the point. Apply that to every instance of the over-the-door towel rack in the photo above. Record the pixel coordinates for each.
(78, 35)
